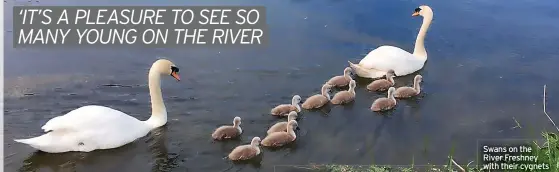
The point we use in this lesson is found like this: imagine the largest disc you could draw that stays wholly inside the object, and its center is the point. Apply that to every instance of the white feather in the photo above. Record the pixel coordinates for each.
(88, 128)
(385, 58)
(97, 127)
(377, 62)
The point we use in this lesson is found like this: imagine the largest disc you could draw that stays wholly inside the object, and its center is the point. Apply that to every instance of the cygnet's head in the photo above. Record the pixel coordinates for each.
(327, 87)
(292, 116)
(237, 121)
(166, 67)
(293, 124)
(423, 10)
(390, 73)
(348, 71)
(391, 91)
(352, 84)
(296, 99)
(418, 78)
(255, 141)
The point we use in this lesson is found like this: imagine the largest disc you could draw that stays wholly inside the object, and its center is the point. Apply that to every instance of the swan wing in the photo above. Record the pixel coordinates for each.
(86, 129)
(389, 57)
(91, 116)
(278, 127)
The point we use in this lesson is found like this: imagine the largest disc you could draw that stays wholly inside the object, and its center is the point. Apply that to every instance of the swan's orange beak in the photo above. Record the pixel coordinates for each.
(176, 76)
(415, 14)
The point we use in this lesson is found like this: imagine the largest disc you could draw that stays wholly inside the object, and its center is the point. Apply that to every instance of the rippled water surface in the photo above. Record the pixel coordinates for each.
(488, 62)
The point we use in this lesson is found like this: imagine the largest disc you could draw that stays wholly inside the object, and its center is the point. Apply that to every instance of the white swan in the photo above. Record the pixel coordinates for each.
(97, 127)
(384, 58)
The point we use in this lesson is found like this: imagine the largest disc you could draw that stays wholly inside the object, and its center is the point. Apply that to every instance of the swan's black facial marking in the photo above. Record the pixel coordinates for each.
(174, 69)
(175, 73)
(417, 10)
(80, 144)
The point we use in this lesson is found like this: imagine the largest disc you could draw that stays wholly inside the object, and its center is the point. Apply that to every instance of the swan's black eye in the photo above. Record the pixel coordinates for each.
(417, 10)
(174, 69)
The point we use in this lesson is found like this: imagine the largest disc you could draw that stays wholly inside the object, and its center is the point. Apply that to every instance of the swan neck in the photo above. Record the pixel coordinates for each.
(325, 93)
(416, 86)
(158, 111)
(352, 90)
(391, 96)
(295, 103)
(391, 79)
(290, 130)
(346, 75)
(419, 50)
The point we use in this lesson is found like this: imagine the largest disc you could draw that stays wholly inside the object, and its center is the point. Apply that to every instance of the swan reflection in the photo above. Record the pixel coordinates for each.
(154, 144)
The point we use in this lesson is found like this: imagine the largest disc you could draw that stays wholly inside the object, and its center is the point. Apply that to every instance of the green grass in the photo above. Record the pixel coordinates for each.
(547, 153)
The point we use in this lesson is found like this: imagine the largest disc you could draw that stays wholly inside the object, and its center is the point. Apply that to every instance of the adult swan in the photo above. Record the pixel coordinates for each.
(97, 127)
(384, 58)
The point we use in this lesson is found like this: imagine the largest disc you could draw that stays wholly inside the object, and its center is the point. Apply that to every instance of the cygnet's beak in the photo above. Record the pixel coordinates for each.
(176, 76)
(415, 14)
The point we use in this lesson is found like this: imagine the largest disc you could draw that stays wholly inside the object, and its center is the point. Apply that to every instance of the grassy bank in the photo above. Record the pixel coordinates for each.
(547, 152)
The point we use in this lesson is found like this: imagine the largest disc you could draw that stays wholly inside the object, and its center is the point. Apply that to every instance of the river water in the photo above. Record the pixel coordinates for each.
(488, 62)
